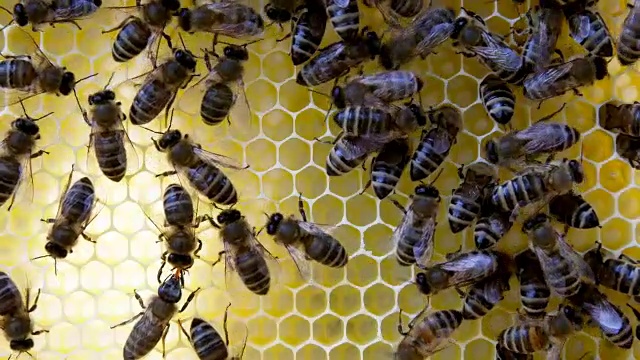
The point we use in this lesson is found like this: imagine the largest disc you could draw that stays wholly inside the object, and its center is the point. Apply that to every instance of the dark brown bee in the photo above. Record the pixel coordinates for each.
(466, 200)
(628, 147)
(556, 80)
(228, 18)
(338, 58)
(161, 86)
(504, 354)
(534, 292)
(589, 29)
(435, 143)
(564, 269)
(41, 12)
(308, 30)
(490, 227)
(482, 296)
(385, 87)
(573, 210)
(425, 33)
(243, 252)
(387, 167)
(345, 156)
(280, 11)
(461, 269)
(391, 9)
(426, 337)
(16, 322)
(305, 240)
(627, 45)
(498, 99)
(620, 118)
(345, 18)
(155, 319)
(545, 25)
(621, 274)
(199, 167)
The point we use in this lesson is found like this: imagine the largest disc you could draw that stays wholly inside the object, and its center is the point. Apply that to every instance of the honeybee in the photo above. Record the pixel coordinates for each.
(345, 155)
(589, 29)
(388, 165)
(621, 274)
(16, 322)
(228, 18)
(308, 30)
(534, 292)
(555, 80)
(155, 319)
(621, 118)
(461, 269)
(564, 269)
(628, 147)
(391, 9)
(466, 200)
(316, 243)
(482, 296)
(243, 252)
(426, 337)
(574, 211)
(491, 227)
(385, 87)
(280, 11)
(436, 142)
(504, 354)
(627, 45)
(41, 12)
(497, 98)
(199, 167)
(345, 18)
(338, 58)
(161, 86)
(426, 32)
(545, 25)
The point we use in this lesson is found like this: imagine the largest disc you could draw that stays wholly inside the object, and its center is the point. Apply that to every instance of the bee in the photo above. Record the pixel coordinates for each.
(545, 25)
(627, 45)
(537, 183)
(345, 18)
(497, 98)
(338, 58)
(436, 142)
(466, 201)
(613, 323)
(388, 165)
(574, 211)
(504, 354)
(557, 79)
(564, 269)
(628, 147)
(414, 235)
(622, 118)
(345, 155)
(491, 227)
(41, 12)
(280, 11)
(621, 274)
(154, 320)
(461, 269)
(385, 87)
(136, 33)
(16, 322)
(308, 30)
(199, 167)
(391, 9)
(243, 252)
(316, 243)
(426, 32)
(424, 338)
(529, 337)
(534, 292)
(228, 18)
(589, 29)
(482, 296)
(161, 86)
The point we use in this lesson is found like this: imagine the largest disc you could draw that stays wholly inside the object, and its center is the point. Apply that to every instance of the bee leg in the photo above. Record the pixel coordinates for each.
(400, 327)
(13, 199)
(184, 331)
(161, 267)
(560, 54)
(164, 340)
(626, 257)
(120, 26)
(398, 205)
(38, 154)
(460, 172)
(460, 292)
(303, 214)
(224, 324)
(127, 321)
(366, 186)
(48, 221)
(323, 141)
(452, 255)
(167, 173)
(35, 302)
(189, 299)
(87, 237)
(195, 253)
(38, 332)
(577, 92)
(219, 258)
(284, 38)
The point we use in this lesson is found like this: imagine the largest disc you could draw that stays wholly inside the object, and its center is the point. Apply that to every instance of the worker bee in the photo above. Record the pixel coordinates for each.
(436, 142)
(345, 18)
(199, 167)
(385, 87)
(308, 30)
(41, 12)
(426, 32)
(338, 58)
(461, 269)
(466, 201)
(228, 18)
(161, 86)
(574, 211)
(564, 269)
(504, 354)
(497, 98)
(280, 11)
(532, 336)
(621, 274)
(491, 227)
(388, 165)
(345, 155)
(589, 29)
(154, 320)
(16, 322)
(315, 242)
(627, 45)
(545, 25)
(628, 147)
(557, 79)
(391, 9)
(414, 235)
(243, 252)
(622, 118)
(426, 337)
(482, 296)
(534, 292)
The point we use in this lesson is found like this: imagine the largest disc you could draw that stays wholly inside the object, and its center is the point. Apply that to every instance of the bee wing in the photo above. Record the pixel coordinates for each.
(240, 114)
(540, 137)
(10, 297)
(227, 25)
(217, 159)
(467, 268)
(340, 3)
(402, 228)
(504, 57)
(608, 317)
(191, 100)
(551, 76)
(319, 230)
(423, 250)
(359, 146)
(301, 260)
(430, 40)
(75, 10)
(579, 26)
(440, 141)
(25, 187)
(576, 259)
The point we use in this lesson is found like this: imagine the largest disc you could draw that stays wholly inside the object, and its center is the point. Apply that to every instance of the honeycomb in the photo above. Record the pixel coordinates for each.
(348, 313)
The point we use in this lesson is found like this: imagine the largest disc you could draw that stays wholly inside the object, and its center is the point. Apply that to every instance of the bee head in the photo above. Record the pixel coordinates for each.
(534, 222)
(338, 98)
(276, 15)
(229, 216)
(236, 52)
(421, 117)
(20, 15)
(172, 5)
(458, 25)
(422, 283)
(102, 97)
(184, 19)
(170, 290)
(180, 260)
(274, 222)
(56, 251)
(373, 42)
(601, 67)
(577, 174)
(169, 139)
(594, 259)
(26, 126)
(407, 352)
(491, 148)
(385, 58)
(427, 190)
(572, 315)
(185, 58)
(21, 345)
(68, 83)
(97, 3)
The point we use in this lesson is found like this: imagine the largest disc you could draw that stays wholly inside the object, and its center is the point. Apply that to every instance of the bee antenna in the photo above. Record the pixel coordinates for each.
(55, 265)
(85, 78)
(436, 177)
(10, 22)
(75, 94)
(318, 92)
(153, 131)
(108, 82)
(182, 41)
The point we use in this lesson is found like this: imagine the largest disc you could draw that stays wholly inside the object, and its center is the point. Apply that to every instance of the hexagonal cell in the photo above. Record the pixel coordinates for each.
(477, 121)
(277, 124)
(327, 210)
(279, 302)
(261, 155)
(128, 275)
(349, 237)
(478, 346)
(628, 203)
(581, 115)
(361, 210)
(377, 239)
(311, 351)
(617, 233)
(615, 175)
(279, 73)
(145, 188)
(436, 93)
(278, 184)
(496, 321)
(328, 330)
(311, 301)
(450, 352)
(79, 307)
(345, 300)
(578, 345)
(310, 124)
(392, 272)
(345, 351)
(598, 146)
(462, 90)
(362, 270)
(379, 299)
(362, 329)
(624, 88)
(297, 97)
(294, 330)
(309, 182)
(95, 277)
(467, 150)
(410, 300)
(604, 204)
(262, 96)
(294, 154)
(590, 177)
(261, 333)
(348, 184)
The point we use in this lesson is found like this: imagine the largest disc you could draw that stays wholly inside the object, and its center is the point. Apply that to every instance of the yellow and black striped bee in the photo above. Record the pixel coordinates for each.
(380, 123)
(52, 12)
(498, 99)
(545, 25)
(466, 201)
(345, 155)
(627, 46)
(504, 354)
(426, 337)
(491, 226)
(574, 211)
(154, 321)
(385, 87)
(482, 296)
(628, 147)
(391, 9)
(589, 29)
(621, 274)
(387, 167)
(620, 118)
(534, 292)
(345, 18)
(228, 18)
(16, 322)
(308, 30)
(565, 271)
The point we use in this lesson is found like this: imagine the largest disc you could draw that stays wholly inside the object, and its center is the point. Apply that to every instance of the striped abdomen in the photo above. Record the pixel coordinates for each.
(149, 102)
(17, 73)
(621, 276)
(325, 250)
(521, 190)
(439, 325)
(207, 342)
(145, 335)
(406, 8)
(384, 178)
(628, 44)
(621, 337)
(482, 297)
(561, 275)
(406, 243)
(490, 229)
(111, 153)
(253, 271)
(10, 297)
(573, 210)
(598, 41)
(177, 205)
(340, 161)
(426, 159)
(462, 210)
(216, 103)
(308, 33)
(78, 201)
(131, 40)
(10, 173)
(74, 9)
(534, 296)
(345, 21)
(524, 338)
(212, 183)
(498, 99)
(363, 120)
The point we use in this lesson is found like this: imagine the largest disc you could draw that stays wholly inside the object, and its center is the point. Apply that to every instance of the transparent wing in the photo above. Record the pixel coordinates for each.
(579, 27)
(439, 34)
(359, 146)
(423, 250)
(540, 137)
(608, 317)
(551, 75)
(503, 57)
(191, 100)
(74, 10)
(340, 3)
(240, 114)
(317, 229)
(567, 252)
(25, 178)
(402, 228)
(301, 260)
(469, 267)
(217, 159)
(439, 140)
